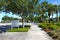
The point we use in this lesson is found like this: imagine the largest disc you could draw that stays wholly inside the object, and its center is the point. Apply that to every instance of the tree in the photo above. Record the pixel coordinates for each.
(50, 10)
(21, 7)
(42, 9)
(56, 11)
(59, 10)
(54, 8)
(8, 19)
(1, 4)
(5, 18)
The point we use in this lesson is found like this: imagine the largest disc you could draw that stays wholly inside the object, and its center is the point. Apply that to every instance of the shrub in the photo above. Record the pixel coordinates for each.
(50, 26)
(58, 24)
(26, 26)
(53, 27)
(42, 25)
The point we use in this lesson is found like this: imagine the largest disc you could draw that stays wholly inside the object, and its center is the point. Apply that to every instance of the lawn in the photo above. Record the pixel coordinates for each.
(18, 30)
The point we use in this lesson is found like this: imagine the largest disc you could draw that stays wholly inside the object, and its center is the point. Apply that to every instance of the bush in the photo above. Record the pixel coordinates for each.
(26, 26)
(58, 24)
(50, 26)
(53, 27)
(42, 25)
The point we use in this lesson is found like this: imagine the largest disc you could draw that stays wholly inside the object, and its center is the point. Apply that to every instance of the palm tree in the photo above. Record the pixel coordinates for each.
(56, 11)
(57, 15)
(59, 11)
(44, 6)
(51, 9)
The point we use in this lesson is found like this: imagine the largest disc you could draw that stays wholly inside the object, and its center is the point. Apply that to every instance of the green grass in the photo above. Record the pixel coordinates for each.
(18, 30)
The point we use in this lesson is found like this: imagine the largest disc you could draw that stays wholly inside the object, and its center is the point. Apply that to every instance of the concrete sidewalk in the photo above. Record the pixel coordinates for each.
(13, 36)
(36, 33)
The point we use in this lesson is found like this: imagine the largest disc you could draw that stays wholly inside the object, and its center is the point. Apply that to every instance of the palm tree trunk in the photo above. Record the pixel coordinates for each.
(49, 19)
(52, 17)
(57, 18)
(49, 16)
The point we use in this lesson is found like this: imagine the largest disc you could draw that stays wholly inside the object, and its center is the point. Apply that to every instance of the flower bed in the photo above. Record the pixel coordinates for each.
(52, 29)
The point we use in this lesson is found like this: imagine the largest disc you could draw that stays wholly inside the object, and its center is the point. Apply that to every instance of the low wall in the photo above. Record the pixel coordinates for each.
(11, 23)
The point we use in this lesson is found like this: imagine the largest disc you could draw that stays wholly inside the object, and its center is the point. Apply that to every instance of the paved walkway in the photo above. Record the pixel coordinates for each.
(13, 36)
(36, 33)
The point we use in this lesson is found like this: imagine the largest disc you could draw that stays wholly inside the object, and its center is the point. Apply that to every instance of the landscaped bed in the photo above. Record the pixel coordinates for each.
(52, 29)
(20, 29)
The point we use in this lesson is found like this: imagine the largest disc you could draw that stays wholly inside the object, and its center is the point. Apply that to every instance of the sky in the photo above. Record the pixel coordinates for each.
(2, 14)
(52, 1)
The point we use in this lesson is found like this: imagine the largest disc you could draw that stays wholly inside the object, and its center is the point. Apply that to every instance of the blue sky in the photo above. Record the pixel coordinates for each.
(49, 1)
(52, 1)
